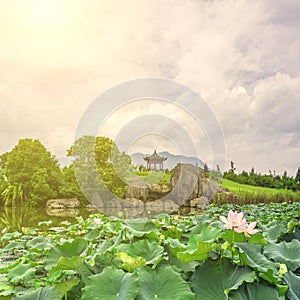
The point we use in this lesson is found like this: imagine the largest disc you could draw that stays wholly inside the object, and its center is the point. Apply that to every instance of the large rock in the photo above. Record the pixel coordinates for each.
(62, 203)
(209, 188)
(137, 188)
(185, 185)
(188, 182)
(199, 202)
(157, 191)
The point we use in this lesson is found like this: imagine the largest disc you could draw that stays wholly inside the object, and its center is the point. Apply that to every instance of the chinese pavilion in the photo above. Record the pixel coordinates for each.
(154, 160)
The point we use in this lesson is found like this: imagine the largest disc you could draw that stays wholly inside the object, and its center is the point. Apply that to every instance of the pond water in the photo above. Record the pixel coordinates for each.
(14, 218)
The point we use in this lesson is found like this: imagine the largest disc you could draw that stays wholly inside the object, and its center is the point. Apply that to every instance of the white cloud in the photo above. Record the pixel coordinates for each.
(242, 57)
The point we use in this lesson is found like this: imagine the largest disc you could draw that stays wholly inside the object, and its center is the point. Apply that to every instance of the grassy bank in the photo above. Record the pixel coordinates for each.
(247, 194)
(158, 177)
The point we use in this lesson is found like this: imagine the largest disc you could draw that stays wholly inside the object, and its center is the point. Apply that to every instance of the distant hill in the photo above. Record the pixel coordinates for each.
(170, 163)
(137, 159)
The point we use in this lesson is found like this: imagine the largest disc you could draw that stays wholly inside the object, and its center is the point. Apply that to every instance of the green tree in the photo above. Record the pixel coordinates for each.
(297, 177)
(232, 167)
(98, 160)
(31, 174)
(69, 186)
(205, 167)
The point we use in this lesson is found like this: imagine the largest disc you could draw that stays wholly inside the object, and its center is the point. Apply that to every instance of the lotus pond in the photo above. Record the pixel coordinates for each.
(167, 257)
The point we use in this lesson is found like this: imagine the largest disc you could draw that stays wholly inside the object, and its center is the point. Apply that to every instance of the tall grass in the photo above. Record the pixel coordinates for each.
(248, 194)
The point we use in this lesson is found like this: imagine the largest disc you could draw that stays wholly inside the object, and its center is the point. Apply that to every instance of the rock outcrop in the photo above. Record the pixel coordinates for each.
(190, 187)
(186, 182)
(199, 202)
(157, 191)
(137, 188)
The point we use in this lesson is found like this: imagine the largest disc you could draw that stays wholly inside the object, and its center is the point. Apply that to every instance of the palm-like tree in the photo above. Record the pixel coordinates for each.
(12, 193)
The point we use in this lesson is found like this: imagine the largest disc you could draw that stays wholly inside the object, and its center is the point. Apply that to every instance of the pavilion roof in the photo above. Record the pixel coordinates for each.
(155, 158)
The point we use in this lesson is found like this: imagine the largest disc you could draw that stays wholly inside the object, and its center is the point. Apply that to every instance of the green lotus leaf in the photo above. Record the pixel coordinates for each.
(287, 253)
(294, 285)
(196, 250)
(199, 226)
(178, 265)
(67, 285)
(29, 230)
(293, 234)
(255, 291)
(162, 283)
(6, 290)
(274, 231)
(75, 248)
(38, 243)
(215, 279)
(175, 246)
(151, 251)
(97, 264)
(111, 284)
(14, 245)
(20, 273)
(130, 263)
(10, 235)
(45, 293)
(254, 257)
(102, 260)
(92, 235)
(140, 227)
(235, 237)
(70, 263)
(208, 233)
(200, 219)
(258, 238)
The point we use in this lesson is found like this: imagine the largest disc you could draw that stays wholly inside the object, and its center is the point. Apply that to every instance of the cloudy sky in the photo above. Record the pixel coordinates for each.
(242, 57)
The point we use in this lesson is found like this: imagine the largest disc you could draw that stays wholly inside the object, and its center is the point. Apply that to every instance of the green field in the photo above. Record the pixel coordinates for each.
(256, 194)
(158, 177)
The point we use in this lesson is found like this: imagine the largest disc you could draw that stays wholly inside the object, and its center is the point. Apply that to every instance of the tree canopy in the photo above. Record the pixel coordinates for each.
(30, 173)
(271, 180)
(98, 160)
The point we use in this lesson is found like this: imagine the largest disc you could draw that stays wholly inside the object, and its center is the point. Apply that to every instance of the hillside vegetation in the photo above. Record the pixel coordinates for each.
(159, 177)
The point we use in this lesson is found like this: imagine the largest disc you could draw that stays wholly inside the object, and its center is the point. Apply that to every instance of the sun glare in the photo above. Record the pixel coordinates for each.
(48, 13)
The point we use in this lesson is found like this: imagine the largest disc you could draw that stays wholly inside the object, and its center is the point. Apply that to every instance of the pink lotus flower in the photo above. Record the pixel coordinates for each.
(250, 229)
(235, 221)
